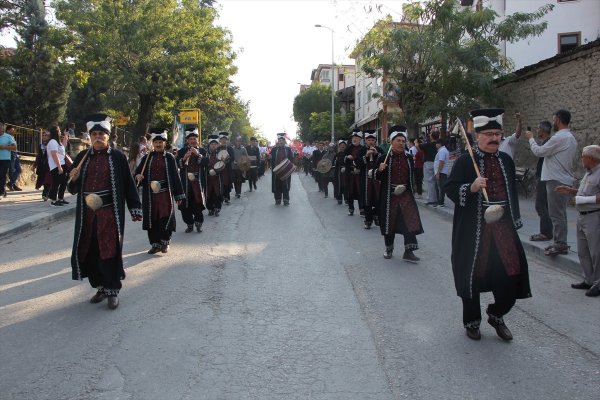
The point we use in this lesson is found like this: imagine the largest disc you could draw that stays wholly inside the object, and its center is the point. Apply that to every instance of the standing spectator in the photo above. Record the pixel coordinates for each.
(541, 198)
(429, 151)
(71, 129)
(42, 170)
(56, 163)
(419, 161)
(7, 144)
(440, 166)
(15, 164)
(112, 142)
(587, 202)
(509, 143)
(559, 152)
(137, 152)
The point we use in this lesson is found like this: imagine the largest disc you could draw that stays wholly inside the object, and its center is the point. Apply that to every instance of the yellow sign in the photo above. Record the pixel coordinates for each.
(189, 116)
(121, 120)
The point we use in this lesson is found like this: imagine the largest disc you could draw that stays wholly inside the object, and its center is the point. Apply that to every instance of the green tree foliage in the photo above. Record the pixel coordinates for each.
(443, 59)
(150, 56)
(37, 77)
(12, 11)
(320, 125)
(316, 99)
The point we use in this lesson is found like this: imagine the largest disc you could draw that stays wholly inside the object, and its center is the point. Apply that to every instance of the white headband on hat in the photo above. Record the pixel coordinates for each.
(396, 133)
(162, 135)
(359, 134)
(482, 120)
(188, 133)
(371, 135)
(105, 124)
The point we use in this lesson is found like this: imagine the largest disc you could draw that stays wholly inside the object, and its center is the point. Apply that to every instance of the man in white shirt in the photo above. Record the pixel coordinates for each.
(558, 152)
(509, 144)
(440, 169)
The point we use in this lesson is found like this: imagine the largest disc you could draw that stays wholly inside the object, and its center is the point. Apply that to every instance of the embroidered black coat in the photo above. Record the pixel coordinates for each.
(175, 188)
(183, 171)
(123, 191)
(275, 182)
(468, 220)
(359, 164)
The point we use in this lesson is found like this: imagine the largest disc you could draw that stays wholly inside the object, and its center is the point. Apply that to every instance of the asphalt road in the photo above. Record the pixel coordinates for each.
(274, 302)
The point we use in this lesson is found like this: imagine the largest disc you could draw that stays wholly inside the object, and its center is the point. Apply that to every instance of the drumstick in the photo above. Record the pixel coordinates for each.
(388, 154)
(80, 164)
(470, 150)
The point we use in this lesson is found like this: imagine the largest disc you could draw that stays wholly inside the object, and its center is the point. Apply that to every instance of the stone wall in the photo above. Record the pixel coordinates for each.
(570, 81)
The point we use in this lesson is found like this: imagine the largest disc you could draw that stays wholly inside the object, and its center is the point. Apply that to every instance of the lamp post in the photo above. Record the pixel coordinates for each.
(332, 86)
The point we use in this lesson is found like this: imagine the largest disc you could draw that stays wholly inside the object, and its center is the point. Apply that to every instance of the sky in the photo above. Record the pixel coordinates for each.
(278, 46)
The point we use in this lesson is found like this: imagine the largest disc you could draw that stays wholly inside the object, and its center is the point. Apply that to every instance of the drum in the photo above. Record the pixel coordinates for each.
(155, 186)
(243, 163)
(223, 155)
(324, 165)
(191, 176)
(284, 169)
(219, 166)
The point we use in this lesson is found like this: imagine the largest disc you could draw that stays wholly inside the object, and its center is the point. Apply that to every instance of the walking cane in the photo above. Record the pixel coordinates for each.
(79, 165)
(143, 169)
(494, 212)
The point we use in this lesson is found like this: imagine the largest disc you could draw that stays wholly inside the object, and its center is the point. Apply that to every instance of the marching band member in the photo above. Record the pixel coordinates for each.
(317, 155)
(339, 178)
(190, 159)
(353, 172)
(370, 187)
(327, 177)
(239, 152)
(212, 178)
(160, 181)
(227, 173)
(253, 151)
(398, 211)
(281, 189)
(101, 174)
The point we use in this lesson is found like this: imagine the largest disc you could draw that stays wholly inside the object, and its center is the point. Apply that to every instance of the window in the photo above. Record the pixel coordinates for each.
(340, 77)
(369, 93)
(324, 77)
(568, 41)
(358, 98)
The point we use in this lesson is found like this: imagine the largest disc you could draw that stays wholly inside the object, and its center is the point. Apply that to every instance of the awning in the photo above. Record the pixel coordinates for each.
(365, 120)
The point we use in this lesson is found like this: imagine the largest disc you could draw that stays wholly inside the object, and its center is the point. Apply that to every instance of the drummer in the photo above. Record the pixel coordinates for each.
(190, 159)
(157, 173)
(227, 156)
(371, 187)
(327, 176)
(354, 173)
(398, 211)
(339, 178)
(213, 185)
(239, 178)
(281, 188)
(254, 154)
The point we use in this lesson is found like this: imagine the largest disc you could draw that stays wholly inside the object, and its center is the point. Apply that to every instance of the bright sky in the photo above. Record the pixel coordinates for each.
(278, 47)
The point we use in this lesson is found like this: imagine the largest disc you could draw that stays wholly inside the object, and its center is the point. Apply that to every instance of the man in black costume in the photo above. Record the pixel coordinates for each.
(487, 256)
(354, 173)
(190, 159)
(370, 186)
(281, 188)
(398, 211)
(339, 177)
(101, 174)
(160, 184)
(254, 155)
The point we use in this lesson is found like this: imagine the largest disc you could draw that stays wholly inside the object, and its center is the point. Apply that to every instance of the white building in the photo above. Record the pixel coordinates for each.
(343, 75)
(571, 23)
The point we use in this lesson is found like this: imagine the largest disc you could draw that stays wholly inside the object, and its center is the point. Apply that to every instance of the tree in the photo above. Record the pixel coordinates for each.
(167, 53)
(316, 99)
(442, 59)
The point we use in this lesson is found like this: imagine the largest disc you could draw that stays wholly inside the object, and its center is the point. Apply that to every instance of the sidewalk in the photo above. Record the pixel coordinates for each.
(531, 224)
(22, 211)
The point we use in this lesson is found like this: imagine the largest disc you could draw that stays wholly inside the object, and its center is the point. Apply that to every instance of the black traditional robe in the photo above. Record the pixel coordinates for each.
(122, 190)
(397, 214)
(278, 154)
(339, 178)
(356, 174)
(193, 190)
(175, 189)
(370, 187)
(468, 223)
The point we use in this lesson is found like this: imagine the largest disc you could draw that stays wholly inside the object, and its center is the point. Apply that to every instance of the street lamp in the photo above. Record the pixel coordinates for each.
(332, 87)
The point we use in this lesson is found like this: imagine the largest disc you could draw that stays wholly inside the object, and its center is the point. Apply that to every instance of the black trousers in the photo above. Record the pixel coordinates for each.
(59, 184)
(441, 191)
(410, 241)
(192, 213)
(158, 234)
(541, 207)
(419, 180)
(252, 176)
(4, 169)
(282, 189)
(102, 274)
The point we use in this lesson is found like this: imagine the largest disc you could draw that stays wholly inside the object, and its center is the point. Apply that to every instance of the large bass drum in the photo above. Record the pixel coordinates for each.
(284, 169)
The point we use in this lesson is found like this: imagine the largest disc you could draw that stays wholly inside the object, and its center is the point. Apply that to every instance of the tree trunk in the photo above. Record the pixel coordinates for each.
(444, 122)
(145, 113)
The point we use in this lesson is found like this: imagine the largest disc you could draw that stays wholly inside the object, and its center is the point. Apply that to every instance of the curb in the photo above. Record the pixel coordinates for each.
(37, 220)
(567, 263)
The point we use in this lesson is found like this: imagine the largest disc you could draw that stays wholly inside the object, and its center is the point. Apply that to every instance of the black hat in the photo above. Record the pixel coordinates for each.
(371, 133)
(213, 138)
(158, 133)
(487, 118)
(223, 135)
(98, 122)
(356, 132)
(191, 130)
(281, 136)
(252, 138)
(397, 130)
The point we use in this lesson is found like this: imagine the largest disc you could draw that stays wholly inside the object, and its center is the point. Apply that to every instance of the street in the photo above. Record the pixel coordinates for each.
(274, 302)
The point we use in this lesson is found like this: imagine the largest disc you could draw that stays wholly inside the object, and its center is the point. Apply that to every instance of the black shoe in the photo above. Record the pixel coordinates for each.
(211, 212)
(154, 250)
(226, 201)
(9, 187)
(389, 250)
(217, 212)
(501, 329)
(57, 203)
(237, 196)
(473, 333)
(164, 248)
(367, 225)
(198, 227)
(350, 212)
(277, 202)
(189, 228)
(16, 188)
(581, 285)
(410, 257)
(98, 297)
(339, 202)
(376, 221)
(250, 189)
(63, 201)
(255, 187)
(286, 203)
(594, 291)
(113, 302)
